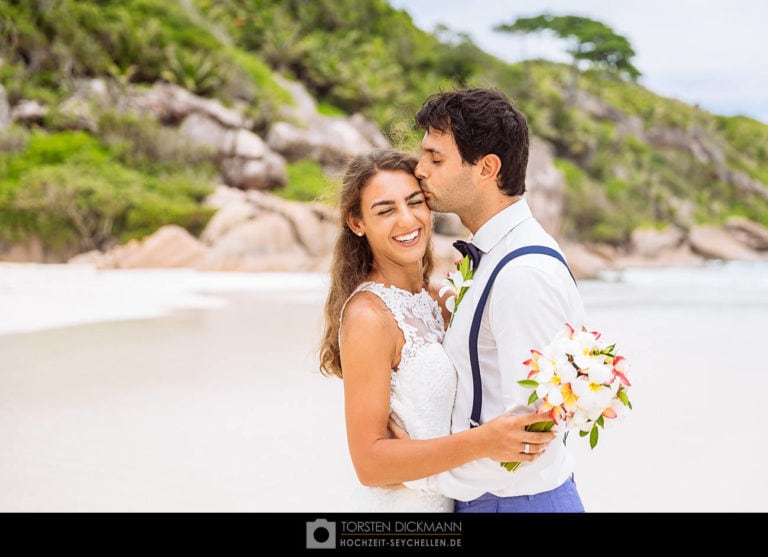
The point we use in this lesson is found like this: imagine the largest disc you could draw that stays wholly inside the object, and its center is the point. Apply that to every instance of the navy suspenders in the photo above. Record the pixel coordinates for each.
(474, 331)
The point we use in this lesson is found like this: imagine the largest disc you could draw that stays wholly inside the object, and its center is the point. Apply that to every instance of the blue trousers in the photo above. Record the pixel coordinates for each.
(563, 499)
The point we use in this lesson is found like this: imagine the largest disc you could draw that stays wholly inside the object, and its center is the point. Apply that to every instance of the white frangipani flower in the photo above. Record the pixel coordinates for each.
(457, 282)
(579, 382)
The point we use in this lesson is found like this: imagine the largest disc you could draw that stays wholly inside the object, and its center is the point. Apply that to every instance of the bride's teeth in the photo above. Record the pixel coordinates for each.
(407, 237)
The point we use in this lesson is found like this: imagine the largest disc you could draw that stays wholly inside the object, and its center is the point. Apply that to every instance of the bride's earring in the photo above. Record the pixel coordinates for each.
(359, 233)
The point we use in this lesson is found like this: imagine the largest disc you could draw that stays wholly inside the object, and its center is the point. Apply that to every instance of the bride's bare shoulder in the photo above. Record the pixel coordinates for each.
(366, 309)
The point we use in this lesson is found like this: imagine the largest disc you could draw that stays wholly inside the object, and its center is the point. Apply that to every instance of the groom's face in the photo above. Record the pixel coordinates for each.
(445, 178)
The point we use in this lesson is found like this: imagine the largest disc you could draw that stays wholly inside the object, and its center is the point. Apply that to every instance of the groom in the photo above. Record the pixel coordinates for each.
(475, 154)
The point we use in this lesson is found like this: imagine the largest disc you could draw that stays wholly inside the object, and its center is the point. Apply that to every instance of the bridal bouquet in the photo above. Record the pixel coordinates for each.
(580, 381)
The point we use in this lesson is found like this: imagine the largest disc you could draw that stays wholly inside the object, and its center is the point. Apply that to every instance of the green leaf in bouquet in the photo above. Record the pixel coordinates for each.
(593, 437)
(622, 396)
(609, 350)
(511, 466)
(464, 267)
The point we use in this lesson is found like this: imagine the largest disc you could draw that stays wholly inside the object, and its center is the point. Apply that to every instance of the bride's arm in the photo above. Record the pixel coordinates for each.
(370, 347)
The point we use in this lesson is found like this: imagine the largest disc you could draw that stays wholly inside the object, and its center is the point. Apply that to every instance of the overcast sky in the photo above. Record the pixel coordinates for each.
(710, 52)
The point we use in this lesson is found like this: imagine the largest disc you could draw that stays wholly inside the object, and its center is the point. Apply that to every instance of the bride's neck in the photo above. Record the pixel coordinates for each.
(405, 277)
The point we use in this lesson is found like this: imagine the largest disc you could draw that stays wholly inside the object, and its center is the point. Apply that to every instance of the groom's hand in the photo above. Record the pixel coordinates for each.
(511, 442)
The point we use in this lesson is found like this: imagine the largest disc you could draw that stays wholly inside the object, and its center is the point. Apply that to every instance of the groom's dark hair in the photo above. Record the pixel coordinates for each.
(483, 122)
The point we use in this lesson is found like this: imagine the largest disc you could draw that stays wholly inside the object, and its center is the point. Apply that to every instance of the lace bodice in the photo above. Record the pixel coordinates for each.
(423, 388)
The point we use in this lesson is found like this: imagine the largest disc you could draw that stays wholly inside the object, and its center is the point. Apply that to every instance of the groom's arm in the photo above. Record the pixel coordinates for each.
(527, 307)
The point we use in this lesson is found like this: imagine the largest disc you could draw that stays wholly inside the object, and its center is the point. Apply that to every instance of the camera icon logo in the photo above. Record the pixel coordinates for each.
(321, 534)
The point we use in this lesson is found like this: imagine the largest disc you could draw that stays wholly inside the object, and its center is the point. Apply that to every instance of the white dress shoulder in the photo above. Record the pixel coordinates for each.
(422, 393)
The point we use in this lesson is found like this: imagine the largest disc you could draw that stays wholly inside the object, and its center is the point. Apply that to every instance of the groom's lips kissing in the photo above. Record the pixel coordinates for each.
(409, 238)
(424, 190)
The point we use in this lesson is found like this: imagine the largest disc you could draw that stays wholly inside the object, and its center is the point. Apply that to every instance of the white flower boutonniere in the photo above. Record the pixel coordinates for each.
(457, 282)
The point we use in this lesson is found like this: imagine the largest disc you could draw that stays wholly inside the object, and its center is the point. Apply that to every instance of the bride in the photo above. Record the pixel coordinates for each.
(384, 325)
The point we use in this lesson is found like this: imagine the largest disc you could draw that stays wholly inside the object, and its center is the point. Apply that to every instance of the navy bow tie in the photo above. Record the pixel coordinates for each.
(470, 249)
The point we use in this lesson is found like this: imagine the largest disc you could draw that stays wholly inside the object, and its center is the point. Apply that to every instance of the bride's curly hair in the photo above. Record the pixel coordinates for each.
(352, 257)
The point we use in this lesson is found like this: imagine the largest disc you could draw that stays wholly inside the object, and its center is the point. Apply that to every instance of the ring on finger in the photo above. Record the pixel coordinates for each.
(526, 448)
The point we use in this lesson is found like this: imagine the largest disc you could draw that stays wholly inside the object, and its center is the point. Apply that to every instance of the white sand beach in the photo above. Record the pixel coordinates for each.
(179, 391)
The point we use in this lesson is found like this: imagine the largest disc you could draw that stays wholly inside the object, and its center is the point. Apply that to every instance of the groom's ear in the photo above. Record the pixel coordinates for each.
(490, 166)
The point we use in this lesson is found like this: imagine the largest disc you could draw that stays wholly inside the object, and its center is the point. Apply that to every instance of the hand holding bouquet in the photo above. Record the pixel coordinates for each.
(580, 382)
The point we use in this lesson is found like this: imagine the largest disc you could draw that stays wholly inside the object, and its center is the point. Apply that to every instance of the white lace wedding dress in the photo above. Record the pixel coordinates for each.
(422, 393)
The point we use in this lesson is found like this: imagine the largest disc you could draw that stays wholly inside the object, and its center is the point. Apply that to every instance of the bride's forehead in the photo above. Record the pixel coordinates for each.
(391, 184)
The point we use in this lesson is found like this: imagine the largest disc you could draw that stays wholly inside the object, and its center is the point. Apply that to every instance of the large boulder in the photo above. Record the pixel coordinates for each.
(204, 131)
(263, 244)
(226, 219)
(267, 172)
(583, 262)
(715, 243)
(170, 246)
(245, 160)
(545, 188)
(650, 242)
(171, 104)
(303, 133)
(748, 232)
(28, 112)
(330, 142)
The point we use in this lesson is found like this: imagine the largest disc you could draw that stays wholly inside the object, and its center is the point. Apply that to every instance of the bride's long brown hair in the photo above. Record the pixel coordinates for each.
(352, 257)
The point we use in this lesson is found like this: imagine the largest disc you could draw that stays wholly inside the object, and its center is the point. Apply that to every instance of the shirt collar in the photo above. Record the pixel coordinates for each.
(500, 224)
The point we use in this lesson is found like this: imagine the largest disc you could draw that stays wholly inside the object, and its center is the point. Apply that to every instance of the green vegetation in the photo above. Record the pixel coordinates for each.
(360, 56)
(306, 182)
(69, 189)
(630, 157)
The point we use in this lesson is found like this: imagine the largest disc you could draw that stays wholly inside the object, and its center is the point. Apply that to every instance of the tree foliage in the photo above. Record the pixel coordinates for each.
(593, 42)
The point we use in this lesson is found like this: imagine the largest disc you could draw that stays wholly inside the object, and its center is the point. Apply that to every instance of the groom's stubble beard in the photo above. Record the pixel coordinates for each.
(437, 205)
(433, 203)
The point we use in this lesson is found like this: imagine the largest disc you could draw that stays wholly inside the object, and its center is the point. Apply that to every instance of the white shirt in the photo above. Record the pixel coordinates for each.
(532, 298)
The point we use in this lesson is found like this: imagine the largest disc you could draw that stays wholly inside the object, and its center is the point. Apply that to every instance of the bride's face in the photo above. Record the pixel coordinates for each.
(394, 217)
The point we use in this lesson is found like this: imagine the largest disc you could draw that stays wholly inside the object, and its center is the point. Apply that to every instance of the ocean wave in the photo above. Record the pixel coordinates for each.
(39, 296)
(42, 296)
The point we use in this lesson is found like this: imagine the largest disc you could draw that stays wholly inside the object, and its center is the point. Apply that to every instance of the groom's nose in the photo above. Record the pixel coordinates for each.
(419, 171)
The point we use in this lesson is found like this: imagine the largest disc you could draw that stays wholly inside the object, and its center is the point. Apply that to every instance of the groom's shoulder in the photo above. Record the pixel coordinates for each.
(532, 267)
